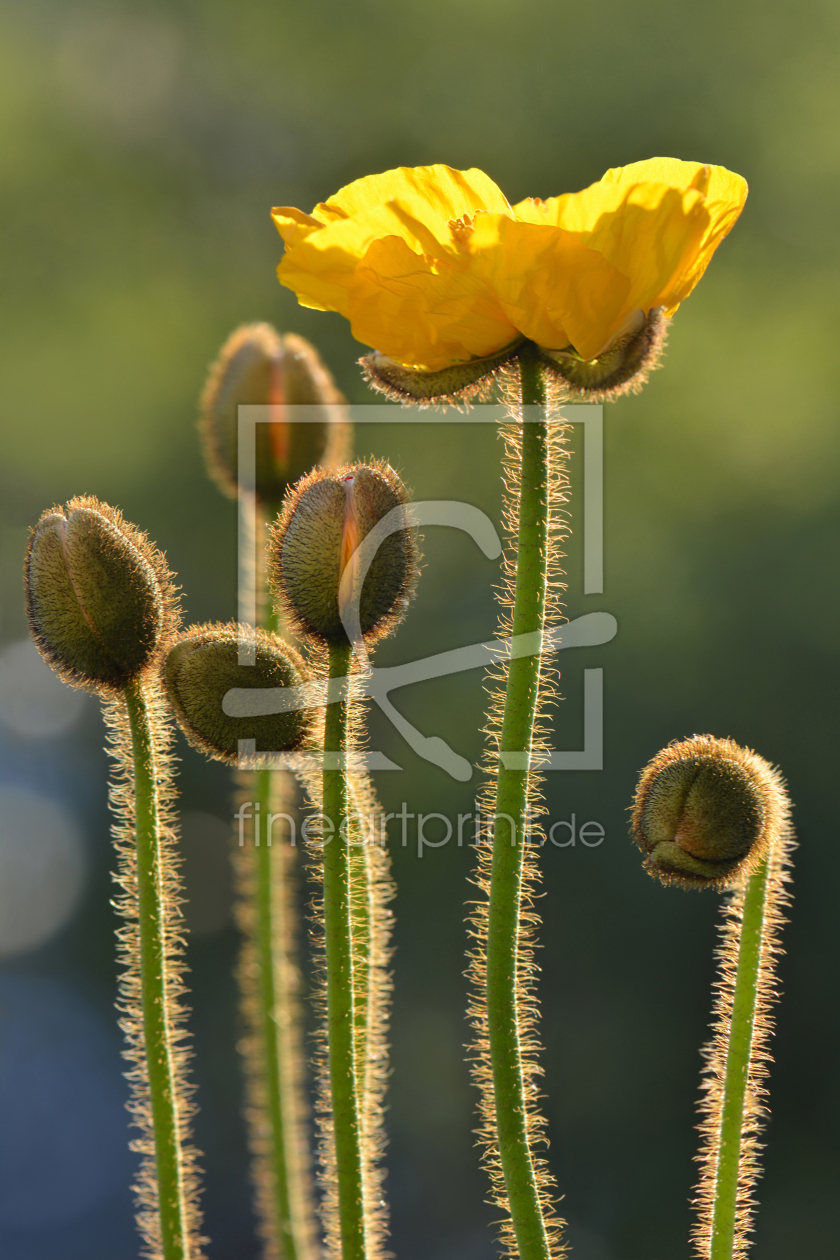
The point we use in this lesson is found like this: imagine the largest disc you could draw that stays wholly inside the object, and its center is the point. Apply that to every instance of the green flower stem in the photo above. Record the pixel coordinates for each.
(362, 913)
(155, 984)
(286, 1197)
(270, 906)
(509, 848)
(339, 957)
(741, 1033)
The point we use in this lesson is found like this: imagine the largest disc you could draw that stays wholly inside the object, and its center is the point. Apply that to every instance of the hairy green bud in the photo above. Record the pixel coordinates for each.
(99, 596)
(204, 664)
(256, 365)
(314, 566)
(704, 811)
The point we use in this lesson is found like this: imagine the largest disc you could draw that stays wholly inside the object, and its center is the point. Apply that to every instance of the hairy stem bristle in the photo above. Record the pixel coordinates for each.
(269, 980)
(733, 1108)
(151, 992)
(504, 1005)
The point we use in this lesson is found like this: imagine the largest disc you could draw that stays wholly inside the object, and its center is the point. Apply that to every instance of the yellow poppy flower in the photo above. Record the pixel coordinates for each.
(433, 266)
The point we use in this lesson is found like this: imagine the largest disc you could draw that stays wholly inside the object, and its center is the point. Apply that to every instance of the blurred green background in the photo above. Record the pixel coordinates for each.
(141, 148)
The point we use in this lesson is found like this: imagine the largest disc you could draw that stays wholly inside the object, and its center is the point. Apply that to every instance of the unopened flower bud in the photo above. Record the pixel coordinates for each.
(314, 565)
(256, 365)
(621, 368)
(704, 811)
(99, 596)
(203, 665)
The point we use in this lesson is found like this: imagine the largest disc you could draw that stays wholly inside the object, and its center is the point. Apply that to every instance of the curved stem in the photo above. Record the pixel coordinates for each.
(155, 984)
(737, 1071)
(509, 840)
(339, 960)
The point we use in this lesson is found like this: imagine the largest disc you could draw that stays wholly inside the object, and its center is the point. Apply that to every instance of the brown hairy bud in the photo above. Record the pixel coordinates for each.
(203, 665)
(622, 368)
(99, 596)
(704, 812)
(315, 569)
(257, 365)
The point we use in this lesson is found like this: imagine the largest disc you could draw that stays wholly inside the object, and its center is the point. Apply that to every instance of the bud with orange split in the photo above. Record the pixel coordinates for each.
(315, 568)
(305, 419)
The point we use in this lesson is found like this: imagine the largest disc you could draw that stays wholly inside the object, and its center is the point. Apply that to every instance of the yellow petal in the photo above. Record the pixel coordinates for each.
(432, 266)
(655, 235)
(724, 194)
(320, 266)
(315, 287)
(293, 225)
(660, 170)
(421, 312)
(649, 232)
(324, 249)
(724, 200)
(550, 285)
(434, 194)
(658, 222)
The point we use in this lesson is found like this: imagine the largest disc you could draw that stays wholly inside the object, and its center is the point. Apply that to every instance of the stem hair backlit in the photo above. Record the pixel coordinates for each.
(151, 950)
(269, 979)
(504, 1008)
(732, 1108)
(370, 891)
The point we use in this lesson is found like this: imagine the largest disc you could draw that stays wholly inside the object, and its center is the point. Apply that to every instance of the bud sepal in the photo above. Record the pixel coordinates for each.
(623, 367)
(458, 385)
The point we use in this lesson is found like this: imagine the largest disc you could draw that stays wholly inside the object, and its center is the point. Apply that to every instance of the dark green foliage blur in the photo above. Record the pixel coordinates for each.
(141, 148)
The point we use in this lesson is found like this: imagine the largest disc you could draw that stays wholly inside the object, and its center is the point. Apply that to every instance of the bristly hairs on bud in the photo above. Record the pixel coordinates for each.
(458, 385)
(313, 548)
(545, 491)
(203, 664)
(704, 813)
(257, 365)
(732, 1106)
(622, 368)
(102, 606)
(100, 598)
(276, 1110)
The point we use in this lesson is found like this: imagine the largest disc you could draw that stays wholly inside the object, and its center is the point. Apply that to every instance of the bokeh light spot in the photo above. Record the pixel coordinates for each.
(42, 869)
(33, 701)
